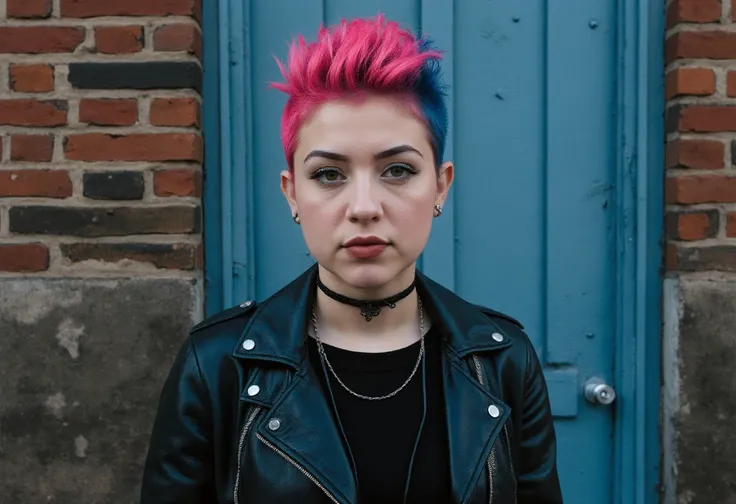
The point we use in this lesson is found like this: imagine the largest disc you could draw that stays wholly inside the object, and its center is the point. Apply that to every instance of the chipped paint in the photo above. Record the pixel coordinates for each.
(80, 446)
(68, 336)
(16, 305)
(56, 404)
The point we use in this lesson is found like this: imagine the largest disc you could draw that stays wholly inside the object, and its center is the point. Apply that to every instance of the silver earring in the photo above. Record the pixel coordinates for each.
(296, 218)
(437, 210)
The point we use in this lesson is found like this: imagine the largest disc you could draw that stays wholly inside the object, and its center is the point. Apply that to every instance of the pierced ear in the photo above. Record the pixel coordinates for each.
(445, 177)
(289, 190)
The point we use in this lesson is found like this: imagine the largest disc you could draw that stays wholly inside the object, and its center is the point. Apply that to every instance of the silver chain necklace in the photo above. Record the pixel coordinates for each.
(361, 396)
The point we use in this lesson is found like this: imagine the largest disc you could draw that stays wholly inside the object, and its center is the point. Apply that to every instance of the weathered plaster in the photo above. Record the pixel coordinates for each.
(82, 362)
(700, 391)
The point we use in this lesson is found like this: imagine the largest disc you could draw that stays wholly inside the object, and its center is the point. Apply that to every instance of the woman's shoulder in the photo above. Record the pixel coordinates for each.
(217, 335)
(504, 318)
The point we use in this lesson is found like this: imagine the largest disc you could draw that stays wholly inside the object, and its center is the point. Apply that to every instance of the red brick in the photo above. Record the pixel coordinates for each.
(95, 8)
(28, 9)
(177, 183)
(713, 258)
(701, 189)
(696, 154)
(731, 225)
(670, 256)
(108, 112)
(703, 119)
(95, 221)
(33, 113)
(691, 81)
(175, 112)
(731, 84)
(161, 255)
(693, 11)
(38, 148)
(40, 39)
(690, 226)
(40, 183)
(178, 37)
(119, 39)
(24, 258)
(701, 44)
(32, 78)
(138, 147)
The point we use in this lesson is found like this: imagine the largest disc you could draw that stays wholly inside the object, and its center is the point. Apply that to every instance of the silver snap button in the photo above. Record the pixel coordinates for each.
(497, 336)
(274, 424)
(253, 390)
(494, 411)
(246, 304)
(249, 344)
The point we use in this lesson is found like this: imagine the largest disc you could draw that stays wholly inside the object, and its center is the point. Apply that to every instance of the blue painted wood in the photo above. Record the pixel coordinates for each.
(213, 222)
(279, 247)
(543, 222)
(562, 386)
(580, 216)
(650, 201)
(639, 230)
(241, 188)
(226, 132)
(437, 21)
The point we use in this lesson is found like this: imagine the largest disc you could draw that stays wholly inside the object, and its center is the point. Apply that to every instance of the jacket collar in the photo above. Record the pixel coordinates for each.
(278, 326)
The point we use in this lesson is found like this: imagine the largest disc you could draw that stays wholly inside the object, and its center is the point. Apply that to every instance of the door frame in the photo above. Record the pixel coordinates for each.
(229, 257)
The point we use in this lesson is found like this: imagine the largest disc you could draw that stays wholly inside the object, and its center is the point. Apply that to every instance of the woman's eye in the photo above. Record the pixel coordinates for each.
(399, 171)
(327, 175)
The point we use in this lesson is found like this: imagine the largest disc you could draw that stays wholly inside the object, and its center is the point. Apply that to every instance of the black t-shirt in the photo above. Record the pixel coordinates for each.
(381, 434)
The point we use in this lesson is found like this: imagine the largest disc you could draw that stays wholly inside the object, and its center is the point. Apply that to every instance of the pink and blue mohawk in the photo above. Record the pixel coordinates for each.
(372, 56)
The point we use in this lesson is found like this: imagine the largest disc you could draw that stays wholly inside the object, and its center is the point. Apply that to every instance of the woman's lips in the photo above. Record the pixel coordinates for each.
(366, 251)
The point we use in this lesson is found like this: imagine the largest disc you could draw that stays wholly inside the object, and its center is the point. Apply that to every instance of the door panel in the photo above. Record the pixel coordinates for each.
(529, 227)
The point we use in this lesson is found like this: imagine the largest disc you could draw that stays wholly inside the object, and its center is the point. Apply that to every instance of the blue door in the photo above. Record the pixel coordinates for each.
(534, 225)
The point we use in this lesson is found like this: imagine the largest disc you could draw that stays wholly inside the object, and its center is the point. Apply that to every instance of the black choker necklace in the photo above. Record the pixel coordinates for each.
(368, 308)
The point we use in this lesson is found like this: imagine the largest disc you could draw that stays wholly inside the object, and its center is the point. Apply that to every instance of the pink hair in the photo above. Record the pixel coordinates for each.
(347, 60)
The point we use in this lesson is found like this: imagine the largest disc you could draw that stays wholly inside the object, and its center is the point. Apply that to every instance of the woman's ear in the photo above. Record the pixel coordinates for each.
(445, 176)
(289, 190)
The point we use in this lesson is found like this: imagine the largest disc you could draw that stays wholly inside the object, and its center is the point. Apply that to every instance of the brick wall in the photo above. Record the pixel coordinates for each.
(700, 287)
(101, 154)
(701, 143)
(100, 236)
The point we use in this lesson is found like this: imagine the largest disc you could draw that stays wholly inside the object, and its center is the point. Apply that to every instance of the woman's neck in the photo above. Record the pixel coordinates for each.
(343, 326)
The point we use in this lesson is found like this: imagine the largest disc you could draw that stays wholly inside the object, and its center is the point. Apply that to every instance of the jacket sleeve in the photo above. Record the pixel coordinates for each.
(537, 478)
(179, 467)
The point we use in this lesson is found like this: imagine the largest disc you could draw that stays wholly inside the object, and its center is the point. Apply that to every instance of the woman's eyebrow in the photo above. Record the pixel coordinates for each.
(393, 151)
(327, 155)
(397, 150)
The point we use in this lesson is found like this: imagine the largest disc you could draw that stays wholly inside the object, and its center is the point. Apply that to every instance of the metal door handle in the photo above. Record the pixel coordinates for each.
(599, 392)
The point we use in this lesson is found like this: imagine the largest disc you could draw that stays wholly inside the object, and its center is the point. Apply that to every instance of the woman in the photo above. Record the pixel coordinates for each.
(362, 381)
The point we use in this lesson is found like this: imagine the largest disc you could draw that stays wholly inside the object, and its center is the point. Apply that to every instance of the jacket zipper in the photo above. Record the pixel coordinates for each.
(492, 458)
(511, 462)
(299, 467)
(241, 445)
(491, 462)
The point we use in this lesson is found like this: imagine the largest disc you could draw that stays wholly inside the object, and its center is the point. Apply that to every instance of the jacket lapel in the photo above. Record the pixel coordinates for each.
(308, 434)
(471, 425)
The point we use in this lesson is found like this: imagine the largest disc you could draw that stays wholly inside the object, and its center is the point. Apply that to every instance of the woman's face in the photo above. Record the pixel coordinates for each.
(365, 185)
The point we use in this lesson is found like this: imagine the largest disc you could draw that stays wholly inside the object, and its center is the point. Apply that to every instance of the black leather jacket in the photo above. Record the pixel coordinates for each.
(219, 439)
